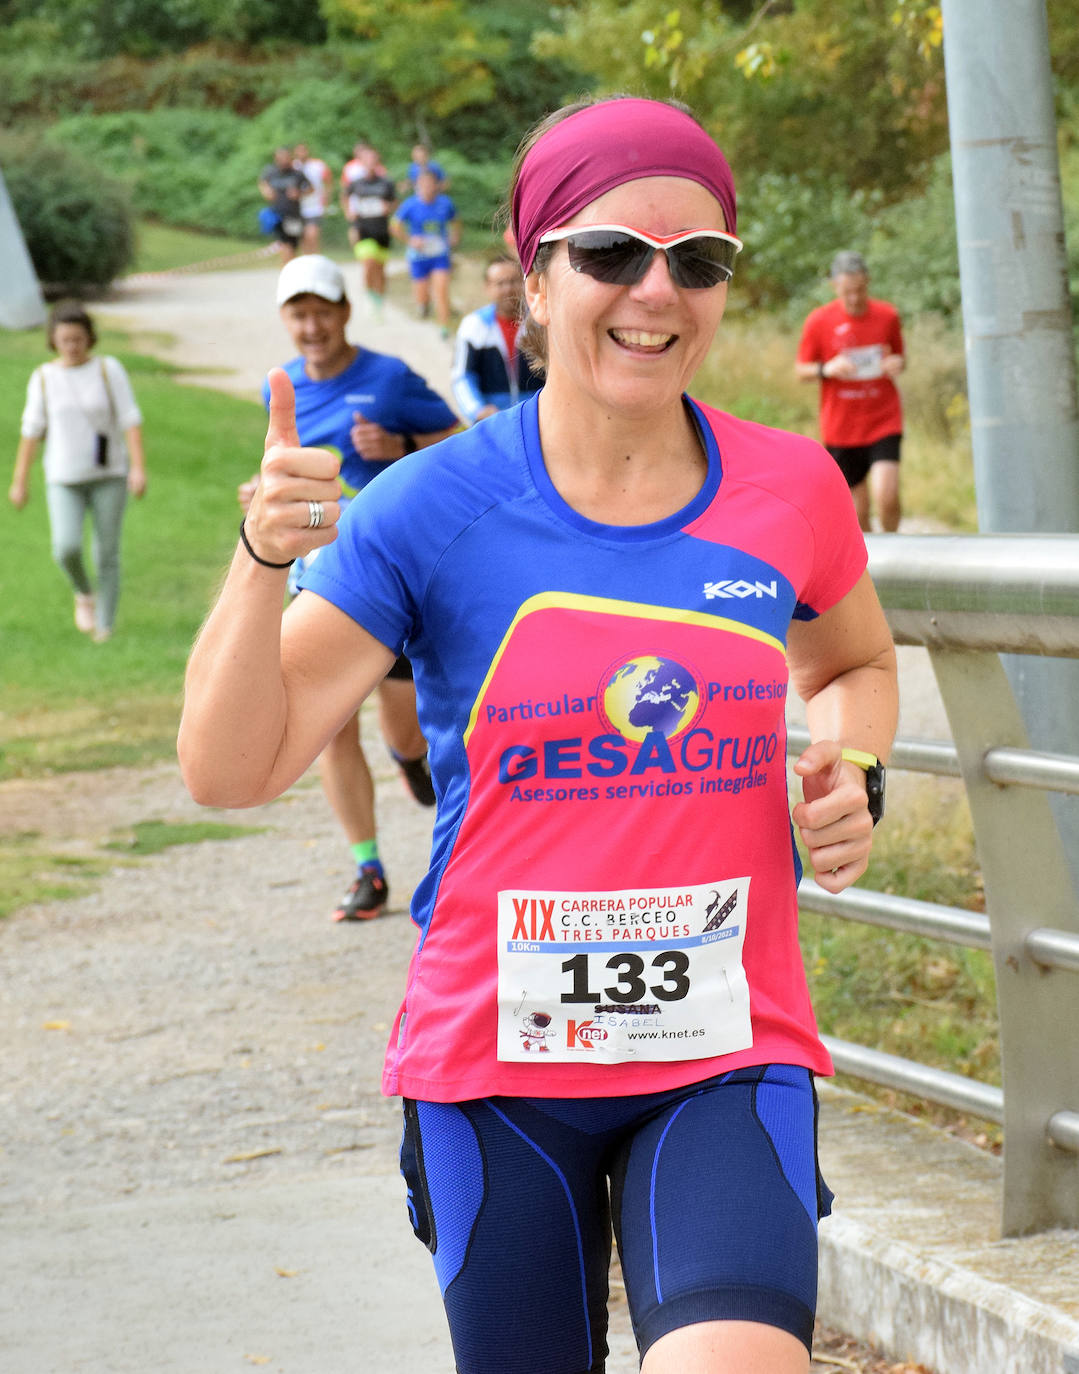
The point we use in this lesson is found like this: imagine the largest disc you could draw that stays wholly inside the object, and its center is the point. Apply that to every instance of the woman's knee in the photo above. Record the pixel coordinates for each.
(727, 1347)
(67, 555)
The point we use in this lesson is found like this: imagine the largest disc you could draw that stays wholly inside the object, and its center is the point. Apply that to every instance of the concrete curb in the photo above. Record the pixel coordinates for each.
(936, 1312)
(912, 1261)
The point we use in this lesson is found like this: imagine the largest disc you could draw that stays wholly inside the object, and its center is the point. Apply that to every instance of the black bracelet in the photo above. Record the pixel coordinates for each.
(820, 371)
(263, 561)
(408, 442)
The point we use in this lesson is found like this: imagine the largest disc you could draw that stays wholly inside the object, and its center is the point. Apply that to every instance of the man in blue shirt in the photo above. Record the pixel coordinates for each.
(373, 409)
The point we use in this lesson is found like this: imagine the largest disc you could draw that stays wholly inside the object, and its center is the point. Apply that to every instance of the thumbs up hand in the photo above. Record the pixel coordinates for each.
(295, 506)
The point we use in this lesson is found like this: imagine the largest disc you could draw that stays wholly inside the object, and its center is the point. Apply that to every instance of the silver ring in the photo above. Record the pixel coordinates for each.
(314, 514)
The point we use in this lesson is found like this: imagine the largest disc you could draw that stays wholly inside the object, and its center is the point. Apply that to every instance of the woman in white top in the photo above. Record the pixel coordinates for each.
(85, 411)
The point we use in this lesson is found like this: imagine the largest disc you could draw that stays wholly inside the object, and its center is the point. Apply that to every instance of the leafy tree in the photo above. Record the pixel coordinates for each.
(458, 72)
(262, 21)
(527, 86)
(853, 91)
(426, 56)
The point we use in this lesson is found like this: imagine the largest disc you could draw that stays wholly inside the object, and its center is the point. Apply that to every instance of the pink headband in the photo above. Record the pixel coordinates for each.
(605, 146)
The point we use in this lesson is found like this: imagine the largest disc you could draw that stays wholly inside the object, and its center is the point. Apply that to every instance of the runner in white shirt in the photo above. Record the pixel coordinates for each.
(313, 206)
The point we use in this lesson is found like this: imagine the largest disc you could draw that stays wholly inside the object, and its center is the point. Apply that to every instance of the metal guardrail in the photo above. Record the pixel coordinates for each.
(967, 599)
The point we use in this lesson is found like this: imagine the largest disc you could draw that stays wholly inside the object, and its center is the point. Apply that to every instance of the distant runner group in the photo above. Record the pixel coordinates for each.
(416, 210)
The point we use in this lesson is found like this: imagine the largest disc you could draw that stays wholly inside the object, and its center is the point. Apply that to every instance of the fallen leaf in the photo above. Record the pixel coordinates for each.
(286, 1273)
(56, 1025)
(252, 1154)
(257, 1359)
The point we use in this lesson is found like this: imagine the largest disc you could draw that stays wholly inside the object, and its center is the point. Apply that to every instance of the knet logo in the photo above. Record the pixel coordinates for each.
(584, 1035)
(740, 590)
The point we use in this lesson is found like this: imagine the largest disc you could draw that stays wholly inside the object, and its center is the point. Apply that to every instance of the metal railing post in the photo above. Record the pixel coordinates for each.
(1028, 885)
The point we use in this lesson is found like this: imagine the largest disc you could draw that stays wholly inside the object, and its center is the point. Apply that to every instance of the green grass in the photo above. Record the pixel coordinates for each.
(33, 870)
(153, 837)
(69, 704)
(159, 247)
(30, 873)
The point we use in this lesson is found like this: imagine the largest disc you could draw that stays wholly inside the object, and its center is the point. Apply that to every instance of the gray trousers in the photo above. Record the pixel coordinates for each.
(69, 504)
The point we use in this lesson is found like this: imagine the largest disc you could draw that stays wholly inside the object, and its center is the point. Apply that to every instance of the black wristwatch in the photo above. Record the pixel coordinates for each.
(874, 779)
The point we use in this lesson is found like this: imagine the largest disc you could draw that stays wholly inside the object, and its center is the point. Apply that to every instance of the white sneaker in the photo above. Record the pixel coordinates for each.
(84, 613)
(102, 636)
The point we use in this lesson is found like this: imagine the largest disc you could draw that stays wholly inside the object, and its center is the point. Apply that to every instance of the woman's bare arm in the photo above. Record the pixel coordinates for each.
(264, 692)
(843, 666)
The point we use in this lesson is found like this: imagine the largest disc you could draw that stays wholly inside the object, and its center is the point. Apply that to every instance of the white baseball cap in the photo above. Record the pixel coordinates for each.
(312, 275)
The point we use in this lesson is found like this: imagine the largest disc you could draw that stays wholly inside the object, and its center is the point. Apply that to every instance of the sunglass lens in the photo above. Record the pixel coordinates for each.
(616, 259)
(701, 262)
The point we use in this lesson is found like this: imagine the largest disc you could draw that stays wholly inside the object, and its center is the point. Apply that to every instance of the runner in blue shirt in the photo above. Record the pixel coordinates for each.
(606, 1032)
(426, 224)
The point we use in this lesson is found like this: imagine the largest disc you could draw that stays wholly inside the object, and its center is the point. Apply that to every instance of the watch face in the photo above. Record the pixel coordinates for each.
(874, 786)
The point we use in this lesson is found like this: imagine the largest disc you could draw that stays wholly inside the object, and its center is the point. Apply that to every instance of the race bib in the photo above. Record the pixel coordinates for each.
(867, 361)
(429, 245)
(607, 977)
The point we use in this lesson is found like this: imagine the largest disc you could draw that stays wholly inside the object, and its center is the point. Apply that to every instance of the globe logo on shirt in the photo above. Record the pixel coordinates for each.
(648, 693)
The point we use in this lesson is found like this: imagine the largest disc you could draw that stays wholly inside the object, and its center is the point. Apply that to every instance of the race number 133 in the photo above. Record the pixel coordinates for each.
(638, 974)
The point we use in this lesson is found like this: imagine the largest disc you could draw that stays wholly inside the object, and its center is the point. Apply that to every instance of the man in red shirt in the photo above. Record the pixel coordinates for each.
(854, 347)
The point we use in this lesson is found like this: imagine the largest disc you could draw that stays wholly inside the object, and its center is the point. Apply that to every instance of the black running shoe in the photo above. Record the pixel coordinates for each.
(365, 898)
(417, 776)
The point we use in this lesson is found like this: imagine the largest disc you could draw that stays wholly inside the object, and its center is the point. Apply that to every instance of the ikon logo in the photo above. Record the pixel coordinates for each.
(584, 1033)
(740, 589)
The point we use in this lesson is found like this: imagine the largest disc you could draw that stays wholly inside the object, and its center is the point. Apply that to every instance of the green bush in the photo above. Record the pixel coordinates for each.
(792, 227)
(479, 189)
(77, 222)
(40, 85)
(914, 253)
(170, 160)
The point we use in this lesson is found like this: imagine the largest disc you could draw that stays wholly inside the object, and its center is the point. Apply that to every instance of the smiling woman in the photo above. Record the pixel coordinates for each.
(656, 570)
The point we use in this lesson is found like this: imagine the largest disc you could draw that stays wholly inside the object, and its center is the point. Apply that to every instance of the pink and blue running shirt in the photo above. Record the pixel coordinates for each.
(611, 903)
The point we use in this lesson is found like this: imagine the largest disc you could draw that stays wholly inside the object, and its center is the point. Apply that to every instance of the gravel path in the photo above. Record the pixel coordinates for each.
(199, 1005)
(195, 1036)
(196, 1029)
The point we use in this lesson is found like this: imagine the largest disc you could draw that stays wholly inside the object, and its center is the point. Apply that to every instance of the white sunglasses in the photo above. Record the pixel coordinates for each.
(621, 256)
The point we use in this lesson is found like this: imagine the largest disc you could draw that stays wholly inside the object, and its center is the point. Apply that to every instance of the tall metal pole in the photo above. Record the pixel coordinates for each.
(1017, 319)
